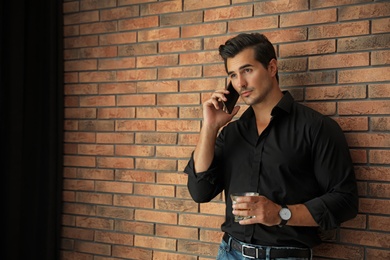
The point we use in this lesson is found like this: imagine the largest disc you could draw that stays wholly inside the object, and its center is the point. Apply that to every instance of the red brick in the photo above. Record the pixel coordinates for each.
(160, 8)
(173, 151)
(381, 25)
(96, 28)
(168, 204)
(137, 49)
(117, 112)
(78, 209)
(81, 161)
(339, 61)
(89, 247)
(307, 48)
(196, 4)
(373, 173)
(215, 70)
(158, 34)
(309, 17)
(180, 72)
(117, 38)
(339, 92)
(79, 185)
(326, 108)
(172, 256)
(370, 42)
(157, 86)
(97, 125)
(215, 208)
(307, 78)
(188, 139)
(156, 217)
(71, 30)
(380, 57)
(136, 100)
(171, 178)
(136, 74)
(191, 112)
(157, 61)
(79, 18)
(138, 23)
(93, 149)
(373, 10)
(374, 206)
(363, 107)
(198, 220)
(203, 29)
(339, 30)
(70, 7)
(78, 65)
(135, 253)
(98, 52)
(365, 238)
(113, 138)
(281, 6)
(155, 164)
(94, 198)
(133, 201)
(155, 242)
(79, 42)
(292, 65)
(80, 89)
(335, 251)
(80, 113)
(379, 90)
(353, 123)
(157, 112)
(202, 84)
(180, 45)
(114, 238)
(134, 175)
(77, 233)
(119, 13)
(181, 18)
(364, 75)
(135, 125)
(117, 88)
(256, 23)
(96, 174)
(77, 137)
(178, 99)
(198, 248)
(178, 126)
(227, 13)
(377, 253)
(211, 236)
(368, 139)
(380, 124)
(380, 156)
(156, 138)
(114, 187)
(97, 101)
(109, 162)
(117, 63)
(134, 150)
(134, 227)
(106, 76)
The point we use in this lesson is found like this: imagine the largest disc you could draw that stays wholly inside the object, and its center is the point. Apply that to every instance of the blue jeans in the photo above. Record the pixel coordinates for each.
(225, 252)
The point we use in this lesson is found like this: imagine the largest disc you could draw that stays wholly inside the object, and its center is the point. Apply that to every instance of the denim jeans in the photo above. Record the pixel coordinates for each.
(225, 252)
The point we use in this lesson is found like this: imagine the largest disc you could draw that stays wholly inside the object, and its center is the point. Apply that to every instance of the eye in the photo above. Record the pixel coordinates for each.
(232, 76)
(247, 70)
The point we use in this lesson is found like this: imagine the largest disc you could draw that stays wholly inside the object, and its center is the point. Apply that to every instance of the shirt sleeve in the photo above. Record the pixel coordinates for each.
(204, 186)
(334, 171)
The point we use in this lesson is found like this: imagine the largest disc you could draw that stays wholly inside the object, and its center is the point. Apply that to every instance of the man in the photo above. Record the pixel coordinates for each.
(294, 157)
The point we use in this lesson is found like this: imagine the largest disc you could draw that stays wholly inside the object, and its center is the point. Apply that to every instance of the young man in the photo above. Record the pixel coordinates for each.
(294, 157)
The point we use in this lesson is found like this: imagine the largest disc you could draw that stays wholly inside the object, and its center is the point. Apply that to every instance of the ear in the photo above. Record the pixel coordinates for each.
(273, 67)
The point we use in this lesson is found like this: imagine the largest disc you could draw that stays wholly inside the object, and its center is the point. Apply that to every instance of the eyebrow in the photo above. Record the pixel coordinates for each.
(240, 68)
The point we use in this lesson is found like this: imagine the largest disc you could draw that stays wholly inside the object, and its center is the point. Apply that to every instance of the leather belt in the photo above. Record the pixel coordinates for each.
(259, 252)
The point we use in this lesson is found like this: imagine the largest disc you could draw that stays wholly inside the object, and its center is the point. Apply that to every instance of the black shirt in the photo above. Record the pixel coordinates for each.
(301, 157)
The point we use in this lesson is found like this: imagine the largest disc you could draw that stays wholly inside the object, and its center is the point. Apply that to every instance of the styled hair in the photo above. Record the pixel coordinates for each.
(264, 50)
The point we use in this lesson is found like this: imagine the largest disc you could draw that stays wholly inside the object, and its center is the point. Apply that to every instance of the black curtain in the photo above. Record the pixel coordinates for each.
(31, 119)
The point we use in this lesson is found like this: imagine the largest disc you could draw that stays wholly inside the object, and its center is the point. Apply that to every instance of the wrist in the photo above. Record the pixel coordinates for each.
(284, 215)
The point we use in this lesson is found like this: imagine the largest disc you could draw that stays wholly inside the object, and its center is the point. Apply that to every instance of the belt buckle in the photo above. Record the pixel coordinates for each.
(250, 247)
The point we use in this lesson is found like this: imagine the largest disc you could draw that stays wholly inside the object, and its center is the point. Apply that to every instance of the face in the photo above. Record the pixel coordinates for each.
(250, 78)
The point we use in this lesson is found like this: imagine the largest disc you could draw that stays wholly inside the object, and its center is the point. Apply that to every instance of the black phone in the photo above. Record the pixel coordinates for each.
(232, 98)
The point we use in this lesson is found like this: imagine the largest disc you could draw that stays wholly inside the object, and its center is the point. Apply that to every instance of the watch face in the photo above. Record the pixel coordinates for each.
(285, 214)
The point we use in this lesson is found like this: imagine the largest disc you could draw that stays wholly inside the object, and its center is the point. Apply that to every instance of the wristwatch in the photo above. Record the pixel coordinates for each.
(285, 215)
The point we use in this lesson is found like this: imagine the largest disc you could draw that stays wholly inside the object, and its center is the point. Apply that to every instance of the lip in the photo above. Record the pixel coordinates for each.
(245, 93)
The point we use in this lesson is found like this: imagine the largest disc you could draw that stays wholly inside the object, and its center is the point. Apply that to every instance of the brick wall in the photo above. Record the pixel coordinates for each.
(136, 72)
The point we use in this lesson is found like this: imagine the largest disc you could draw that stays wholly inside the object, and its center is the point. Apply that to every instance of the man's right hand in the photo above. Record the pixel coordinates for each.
(213, 114)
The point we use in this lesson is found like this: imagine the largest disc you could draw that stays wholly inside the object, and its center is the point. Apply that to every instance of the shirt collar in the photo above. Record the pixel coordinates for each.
(282, 107)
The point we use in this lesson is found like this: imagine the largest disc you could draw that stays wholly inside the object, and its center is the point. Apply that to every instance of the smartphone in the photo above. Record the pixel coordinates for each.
(232, 98)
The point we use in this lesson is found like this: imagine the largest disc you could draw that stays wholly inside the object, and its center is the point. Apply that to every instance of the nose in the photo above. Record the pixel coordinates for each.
(241, 81)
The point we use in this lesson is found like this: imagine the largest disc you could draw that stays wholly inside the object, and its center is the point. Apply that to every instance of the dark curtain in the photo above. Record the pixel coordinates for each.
(31, 119)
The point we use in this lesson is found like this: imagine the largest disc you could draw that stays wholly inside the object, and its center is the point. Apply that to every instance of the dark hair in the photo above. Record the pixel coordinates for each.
(264, 50)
